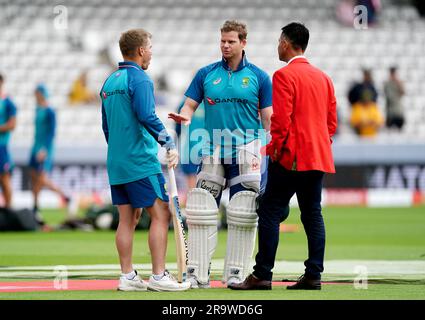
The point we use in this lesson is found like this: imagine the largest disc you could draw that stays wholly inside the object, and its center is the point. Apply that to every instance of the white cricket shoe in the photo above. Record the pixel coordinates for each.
(195, 284)
(135, 284)
(167, 283)
(233, 280)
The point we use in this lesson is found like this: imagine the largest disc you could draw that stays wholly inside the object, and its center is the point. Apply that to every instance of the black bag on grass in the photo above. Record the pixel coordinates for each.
(17, 220)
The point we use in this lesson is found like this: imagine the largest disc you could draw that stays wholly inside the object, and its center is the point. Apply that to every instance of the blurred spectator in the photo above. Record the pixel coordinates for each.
(161, 89)
(188, 139)
(7, 125)
(394, 90)
(41, 159)
(366, 118)
(161, 82)
(366, 87)
(80, 93)
(420, 6)
(373, 8)
(345, 12)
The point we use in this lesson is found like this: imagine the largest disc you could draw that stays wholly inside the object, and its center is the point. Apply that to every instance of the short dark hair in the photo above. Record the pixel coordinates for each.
(133, 39)
(393, 69)
(1, 78)
(237, 26)
(297, 34)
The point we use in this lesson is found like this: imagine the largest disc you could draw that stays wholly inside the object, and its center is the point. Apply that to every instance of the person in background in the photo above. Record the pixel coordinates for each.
(394, 91)
(80, 92)
(41, 158)
(366, 118)
(358, 90)
(373, 8)
(7, 125)
(189, 161)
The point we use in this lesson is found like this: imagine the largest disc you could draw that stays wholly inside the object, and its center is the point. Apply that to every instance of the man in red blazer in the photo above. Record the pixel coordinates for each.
(303, 123)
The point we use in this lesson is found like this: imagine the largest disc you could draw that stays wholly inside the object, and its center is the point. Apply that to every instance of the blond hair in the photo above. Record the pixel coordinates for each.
(133, 39)
(237, 26)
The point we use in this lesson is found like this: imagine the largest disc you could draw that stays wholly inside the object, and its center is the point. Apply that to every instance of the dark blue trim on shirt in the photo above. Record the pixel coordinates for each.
(10, 108)
(242, 64)
(51, 123)
(105, 123)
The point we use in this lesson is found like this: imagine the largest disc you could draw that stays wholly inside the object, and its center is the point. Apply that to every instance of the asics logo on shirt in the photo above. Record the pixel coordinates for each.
(217, 81)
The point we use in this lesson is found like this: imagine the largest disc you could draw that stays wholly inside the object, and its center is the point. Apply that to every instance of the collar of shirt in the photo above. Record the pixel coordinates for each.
(129, 64)
(242, 64)
(296, 57)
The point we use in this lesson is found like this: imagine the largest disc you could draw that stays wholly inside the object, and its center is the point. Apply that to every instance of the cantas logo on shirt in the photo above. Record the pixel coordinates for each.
(106, 94)
(224, 100)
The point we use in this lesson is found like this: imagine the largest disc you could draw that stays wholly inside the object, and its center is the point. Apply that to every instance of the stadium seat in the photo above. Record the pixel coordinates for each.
(340, 51)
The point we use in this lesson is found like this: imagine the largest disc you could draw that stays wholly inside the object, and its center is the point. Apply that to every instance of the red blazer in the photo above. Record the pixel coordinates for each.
(304, 118)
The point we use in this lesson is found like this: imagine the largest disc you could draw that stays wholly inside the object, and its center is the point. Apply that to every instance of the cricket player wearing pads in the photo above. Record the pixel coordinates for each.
(237, 99)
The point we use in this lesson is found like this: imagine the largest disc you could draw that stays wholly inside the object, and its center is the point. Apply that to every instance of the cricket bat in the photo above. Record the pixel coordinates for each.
(179, 234)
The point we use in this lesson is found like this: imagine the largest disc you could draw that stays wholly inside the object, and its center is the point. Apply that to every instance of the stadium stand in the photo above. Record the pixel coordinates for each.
(52, 42)
(35, 46)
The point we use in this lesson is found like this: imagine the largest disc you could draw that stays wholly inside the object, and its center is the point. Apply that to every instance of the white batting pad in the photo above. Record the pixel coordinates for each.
(242, 223)
(202, 220)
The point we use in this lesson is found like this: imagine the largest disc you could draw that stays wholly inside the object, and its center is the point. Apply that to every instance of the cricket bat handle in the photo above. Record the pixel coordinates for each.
(173, 185)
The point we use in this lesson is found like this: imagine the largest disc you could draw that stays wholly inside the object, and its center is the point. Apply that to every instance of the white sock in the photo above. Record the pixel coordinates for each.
(158, 277)
(130, 275)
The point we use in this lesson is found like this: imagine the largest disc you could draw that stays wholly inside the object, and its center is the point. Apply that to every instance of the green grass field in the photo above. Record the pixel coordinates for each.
(389, 235)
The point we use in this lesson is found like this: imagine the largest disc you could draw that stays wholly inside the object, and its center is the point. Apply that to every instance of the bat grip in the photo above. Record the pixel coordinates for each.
(173, 185)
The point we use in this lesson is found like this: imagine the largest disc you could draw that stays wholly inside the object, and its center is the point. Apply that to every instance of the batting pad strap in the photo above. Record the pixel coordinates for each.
(241, 210)
(248, 177)
(212, 177)
(201, 208)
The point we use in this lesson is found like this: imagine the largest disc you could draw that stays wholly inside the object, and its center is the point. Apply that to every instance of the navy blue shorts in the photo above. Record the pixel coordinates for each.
(6, 164)
(141, 193)
(38, 166)
(190, 168)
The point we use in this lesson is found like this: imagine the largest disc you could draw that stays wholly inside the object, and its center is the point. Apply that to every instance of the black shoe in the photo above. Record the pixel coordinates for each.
(38, 218)
(251, 283)
(305, 283)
